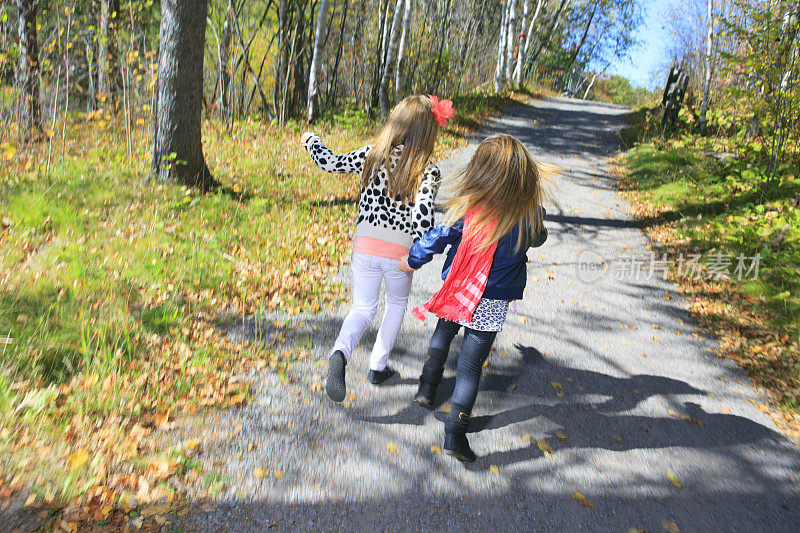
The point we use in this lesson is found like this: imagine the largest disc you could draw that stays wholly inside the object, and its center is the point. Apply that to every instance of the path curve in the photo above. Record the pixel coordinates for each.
(611, 362)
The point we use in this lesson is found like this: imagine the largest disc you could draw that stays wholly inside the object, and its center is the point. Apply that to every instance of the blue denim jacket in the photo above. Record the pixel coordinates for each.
(507, 277)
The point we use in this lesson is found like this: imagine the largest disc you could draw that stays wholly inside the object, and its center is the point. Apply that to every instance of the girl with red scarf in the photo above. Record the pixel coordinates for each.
(495, 215)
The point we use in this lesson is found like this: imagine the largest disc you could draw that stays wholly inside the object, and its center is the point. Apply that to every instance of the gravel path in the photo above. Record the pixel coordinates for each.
(612, 362)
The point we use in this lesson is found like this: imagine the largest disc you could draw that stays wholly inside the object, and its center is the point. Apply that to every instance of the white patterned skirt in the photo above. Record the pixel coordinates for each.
(488, 316)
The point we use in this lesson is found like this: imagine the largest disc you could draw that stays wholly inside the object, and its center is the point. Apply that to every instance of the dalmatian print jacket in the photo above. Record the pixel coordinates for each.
(379, 216)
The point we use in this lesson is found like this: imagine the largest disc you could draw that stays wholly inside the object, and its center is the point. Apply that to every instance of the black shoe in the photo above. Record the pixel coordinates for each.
(335, 386)
(458, 446)
(426, 394)
(376, 377)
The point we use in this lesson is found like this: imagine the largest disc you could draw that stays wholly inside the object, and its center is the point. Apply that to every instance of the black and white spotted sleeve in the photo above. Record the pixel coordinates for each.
(422, 213)
(352, 163)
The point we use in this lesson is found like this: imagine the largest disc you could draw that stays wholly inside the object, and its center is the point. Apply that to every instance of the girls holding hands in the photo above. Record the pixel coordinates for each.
(398, 190)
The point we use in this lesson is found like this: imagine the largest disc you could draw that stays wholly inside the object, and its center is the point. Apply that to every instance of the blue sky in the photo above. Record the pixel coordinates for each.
(649, 58)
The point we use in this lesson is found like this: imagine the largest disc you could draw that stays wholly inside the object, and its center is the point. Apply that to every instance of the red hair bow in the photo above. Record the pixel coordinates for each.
(441, 110)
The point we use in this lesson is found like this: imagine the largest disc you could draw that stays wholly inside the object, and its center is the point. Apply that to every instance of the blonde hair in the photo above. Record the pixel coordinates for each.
(507, 184)
(412, 124)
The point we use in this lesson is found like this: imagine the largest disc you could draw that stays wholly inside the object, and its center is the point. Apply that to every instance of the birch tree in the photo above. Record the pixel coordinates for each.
(316, 60)
(401, 50)
(223, 97)
(500, 68)
(391, 56)
(525, 39)
(511, 34)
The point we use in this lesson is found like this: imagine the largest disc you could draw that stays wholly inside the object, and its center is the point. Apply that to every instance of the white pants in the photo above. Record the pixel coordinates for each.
(368, 272)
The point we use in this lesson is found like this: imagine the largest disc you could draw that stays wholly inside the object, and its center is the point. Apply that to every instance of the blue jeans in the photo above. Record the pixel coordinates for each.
(474, 350)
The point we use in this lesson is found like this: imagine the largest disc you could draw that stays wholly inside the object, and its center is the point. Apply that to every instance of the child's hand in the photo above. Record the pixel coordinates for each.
(403, 266)
(304, 138)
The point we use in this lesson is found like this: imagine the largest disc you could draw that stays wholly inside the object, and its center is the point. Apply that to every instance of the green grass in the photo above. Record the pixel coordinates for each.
(727, 204)
(111, 288)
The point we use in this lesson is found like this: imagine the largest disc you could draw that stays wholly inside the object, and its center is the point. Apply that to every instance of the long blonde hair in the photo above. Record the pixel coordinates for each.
(507, 184)
(412, 124)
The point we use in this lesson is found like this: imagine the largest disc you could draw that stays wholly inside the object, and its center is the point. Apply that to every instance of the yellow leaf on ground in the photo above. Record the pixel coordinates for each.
(544, 447)
(391, 447)
(436, 450)
(78, 458)
(159, 419)
(581, 499)
(446, 408)
(561, 435)
(556, 385)
(670, 526)
(237, 399)
(526, 437)
(511, 388)
(494, 469)
(674, 480)
(278, 474)
(616, 437)
(155, 510)
(191, 444)
(259, 472)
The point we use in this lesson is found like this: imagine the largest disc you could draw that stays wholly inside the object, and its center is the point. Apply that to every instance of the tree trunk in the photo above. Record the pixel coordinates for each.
(177, 146)
(525, 43)
(707, 82)
(399, 78)
(332, 80)
(322, 19)
(107, 56)
(517, 73)
(223, 99)
(391, 56)
(500, 68)
(511, 35)
(28, 71)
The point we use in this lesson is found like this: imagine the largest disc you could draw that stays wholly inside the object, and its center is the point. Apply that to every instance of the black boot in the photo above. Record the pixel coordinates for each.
(455, 434)
(335, 386)
(430, 378)
(426, 394)
(458, 446)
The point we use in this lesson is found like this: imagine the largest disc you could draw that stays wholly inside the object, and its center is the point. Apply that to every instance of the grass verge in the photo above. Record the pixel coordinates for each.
(711, 197)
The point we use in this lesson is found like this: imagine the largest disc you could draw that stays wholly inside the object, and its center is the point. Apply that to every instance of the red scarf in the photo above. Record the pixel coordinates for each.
(466, 281)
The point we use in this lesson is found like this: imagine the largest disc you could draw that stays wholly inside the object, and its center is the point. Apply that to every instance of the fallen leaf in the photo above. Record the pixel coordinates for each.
(446, 408)
(556, 385)
(259, 472)
(544, 447)
(494, 469)
(191, 444)
(78, 458)
(237, 399)
(561, 435)
(511, 388)
(670, 526)
(616, 437)
(160, 418)
(157, 509)
(674, 480)
(581, 499)
(436, 450)
(391, 447)
(526, 437)
(278, 474)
